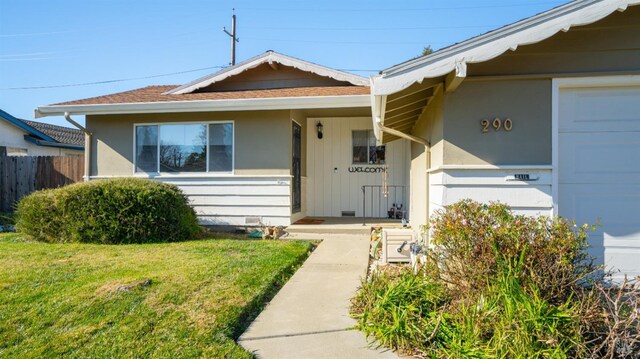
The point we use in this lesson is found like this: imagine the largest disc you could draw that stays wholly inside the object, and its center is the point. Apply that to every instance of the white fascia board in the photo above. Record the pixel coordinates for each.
(279, 103)
(270, 57)
(493, 44)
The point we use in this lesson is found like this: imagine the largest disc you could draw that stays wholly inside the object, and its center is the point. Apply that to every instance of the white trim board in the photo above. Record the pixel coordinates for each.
(488, 168)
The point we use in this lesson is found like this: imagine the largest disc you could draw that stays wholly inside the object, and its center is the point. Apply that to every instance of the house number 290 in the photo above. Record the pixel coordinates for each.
(497, 124)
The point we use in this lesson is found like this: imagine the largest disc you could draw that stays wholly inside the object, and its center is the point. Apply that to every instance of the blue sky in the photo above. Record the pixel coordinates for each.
(55, 42)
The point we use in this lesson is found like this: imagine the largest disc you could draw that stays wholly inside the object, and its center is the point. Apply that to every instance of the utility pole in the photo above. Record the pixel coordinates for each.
(233, 36)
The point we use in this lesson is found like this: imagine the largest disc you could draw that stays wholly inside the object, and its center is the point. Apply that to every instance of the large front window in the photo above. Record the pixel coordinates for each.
(175, 148)
(364, 148)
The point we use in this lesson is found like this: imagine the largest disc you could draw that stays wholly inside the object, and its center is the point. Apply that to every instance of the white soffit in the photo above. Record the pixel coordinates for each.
(492, 44)
(270, 57)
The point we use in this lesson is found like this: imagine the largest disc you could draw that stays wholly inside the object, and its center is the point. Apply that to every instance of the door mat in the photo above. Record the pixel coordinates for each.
(310, 221)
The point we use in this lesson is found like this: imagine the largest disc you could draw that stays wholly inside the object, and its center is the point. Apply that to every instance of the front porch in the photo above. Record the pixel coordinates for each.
(340, 225)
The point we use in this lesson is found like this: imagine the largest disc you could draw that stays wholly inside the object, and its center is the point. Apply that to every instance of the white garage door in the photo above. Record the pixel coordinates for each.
(599, 169)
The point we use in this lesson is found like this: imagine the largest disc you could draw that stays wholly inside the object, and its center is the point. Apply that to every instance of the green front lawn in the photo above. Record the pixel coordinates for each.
(85, 300)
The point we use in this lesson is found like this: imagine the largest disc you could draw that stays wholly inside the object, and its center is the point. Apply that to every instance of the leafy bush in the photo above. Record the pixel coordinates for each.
(500, 285)
(475, 241)
(110, 211)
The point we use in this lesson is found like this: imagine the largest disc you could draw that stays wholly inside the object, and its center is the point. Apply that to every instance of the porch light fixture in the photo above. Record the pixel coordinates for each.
(319, 128)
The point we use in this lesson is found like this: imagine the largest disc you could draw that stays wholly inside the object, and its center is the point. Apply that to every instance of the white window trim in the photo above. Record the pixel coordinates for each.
(558, 84)
(368, 164)
(185, 174)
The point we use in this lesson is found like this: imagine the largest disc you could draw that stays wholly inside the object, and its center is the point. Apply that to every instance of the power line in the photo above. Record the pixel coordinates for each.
(109, 81)
(29, 54)
(349, 42)
(36, 33)
(403, 10)
(141, 78)
(370, 28)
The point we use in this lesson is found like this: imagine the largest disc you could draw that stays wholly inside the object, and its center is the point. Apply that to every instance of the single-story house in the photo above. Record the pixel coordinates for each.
(31, 138)
(270, 140)
(542, 114)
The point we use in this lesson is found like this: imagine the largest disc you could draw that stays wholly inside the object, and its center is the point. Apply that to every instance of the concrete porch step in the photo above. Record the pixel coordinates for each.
(304, 229)
(341, 225)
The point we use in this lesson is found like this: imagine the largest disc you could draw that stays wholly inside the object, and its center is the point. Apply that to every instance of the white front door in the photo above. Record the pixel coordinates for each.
(335, 181)
(599, 168)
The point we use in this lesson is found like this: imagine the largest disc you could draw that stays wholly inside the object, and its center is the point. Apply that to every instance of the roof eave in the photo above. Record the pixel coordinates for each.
(276, 103)
(493, 44)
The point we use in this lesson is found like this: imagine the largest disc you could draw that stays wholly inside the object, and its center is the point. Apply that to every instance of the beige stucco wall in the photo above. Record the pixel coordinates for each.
(517, 85)
(262, 140)
(526, 102)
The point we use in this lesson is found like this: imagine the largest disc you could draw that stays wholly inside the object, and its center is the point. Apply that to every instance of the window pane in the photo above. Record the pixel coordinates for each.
(376, 155)
(147, 148)
(359, 142)
(221, 147)
(183, 148)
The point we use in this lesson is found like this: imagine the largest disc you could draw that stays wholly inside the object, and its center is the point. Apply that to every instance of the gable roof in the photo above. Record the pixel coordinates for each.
(349, 91)
(269, 57)
(44, 134)
(494, 43)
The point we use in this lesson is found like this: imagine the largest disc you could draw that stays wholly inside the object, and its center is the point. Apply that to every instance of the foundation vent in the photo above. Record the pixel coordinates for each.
(252, 220)
(348, 213)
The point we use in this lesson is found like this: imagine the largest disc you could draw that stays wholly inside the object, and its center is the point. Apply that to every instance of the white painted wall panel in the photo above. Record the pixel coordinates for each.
(332, 188)
(230, 200)
(255, 190)
(450, 185)
(236, 200)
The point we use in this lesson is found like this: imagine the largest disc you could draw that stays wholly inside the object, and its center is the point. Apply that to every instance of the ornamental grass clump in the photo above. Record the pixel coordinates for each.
(499, 285)
(113, 211)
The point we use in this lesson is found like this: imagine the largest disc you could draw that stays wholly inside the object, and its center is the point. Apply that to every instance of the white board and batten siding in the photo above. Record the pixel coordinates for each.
(238, 200)
(597, 137)
(504, 184)
(332, 189)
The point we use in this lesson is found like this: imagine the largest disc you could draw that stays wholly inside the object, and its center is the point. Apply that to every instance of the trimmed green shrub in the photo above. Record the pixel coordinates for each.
(498, 285)
(113, 211)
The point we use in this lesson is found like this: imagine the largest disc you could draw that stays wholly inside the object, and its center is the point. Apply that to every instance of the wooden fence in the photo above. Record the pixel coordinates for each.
(21, 175)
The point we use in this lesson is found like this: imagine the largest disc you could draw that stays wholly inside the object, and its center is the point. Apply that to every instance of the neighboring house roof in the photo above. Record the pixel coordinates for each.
(271, 58)
(60, 134)
(342, 90)
(494, 43)
(44, 134)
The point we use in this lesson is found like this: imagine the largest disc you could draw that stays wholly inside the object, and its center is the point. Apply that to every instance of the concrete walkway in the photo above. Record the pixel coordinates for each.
(309, 317)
